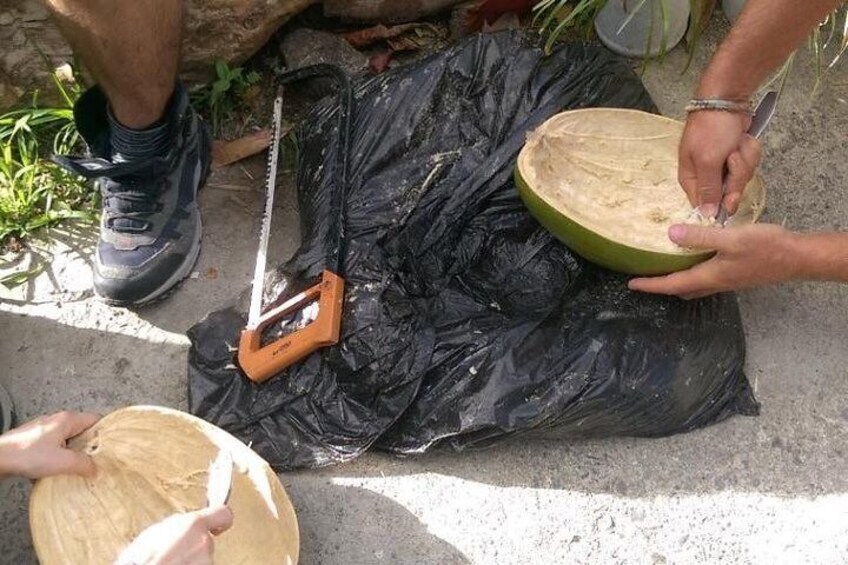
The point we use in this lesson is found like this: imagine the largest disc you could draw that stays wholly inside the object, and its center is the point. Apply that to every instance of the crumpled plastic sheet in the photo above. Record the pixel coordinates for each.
(465, 322)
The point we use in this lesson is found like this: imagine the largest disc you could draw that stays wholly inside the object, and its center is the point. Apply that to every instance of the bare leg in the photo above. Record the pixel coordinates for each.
(131, 47)
(149, 154)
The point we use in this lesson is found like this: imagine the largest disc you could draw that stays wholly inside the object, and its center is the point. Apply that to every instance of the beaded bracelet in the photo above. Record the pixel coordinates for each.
(719, 104)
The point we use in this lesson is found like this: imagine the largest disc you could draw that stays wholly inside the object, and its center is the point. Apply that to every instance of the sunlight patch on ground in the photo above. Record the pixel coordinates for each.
(487, 522)
(98, 316)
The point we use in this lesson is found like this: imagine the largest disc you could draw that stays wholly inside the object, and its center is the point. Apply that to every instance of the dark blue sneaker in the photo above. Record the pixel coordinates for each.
(150, 230)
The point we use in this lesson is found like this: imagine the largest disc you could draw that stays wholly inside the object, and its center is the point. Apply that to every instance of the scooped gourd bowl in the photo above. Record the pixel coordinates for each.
(604, 182)
(153, 462)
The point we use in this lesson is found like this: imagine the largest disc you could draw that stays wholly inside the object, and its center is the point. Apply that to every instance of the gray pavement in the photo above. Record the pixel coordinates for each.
(770, 489)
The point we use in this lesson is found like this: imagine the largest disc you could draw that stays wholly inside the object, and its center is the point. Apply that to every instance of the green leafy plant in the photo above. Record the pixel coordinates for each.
(34, 192)
(829, 40)
(226, 94)
(827, 44)
(555, 17)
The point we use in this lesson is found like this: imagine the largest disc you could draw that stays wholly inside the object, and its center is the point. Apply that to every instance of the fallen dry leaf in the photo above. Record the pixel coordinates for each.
(490, 11)
(405, 37)
(371, 35)
(228, 152)
(505, 22)
(252, 97)
(380, 62)
(408, 43)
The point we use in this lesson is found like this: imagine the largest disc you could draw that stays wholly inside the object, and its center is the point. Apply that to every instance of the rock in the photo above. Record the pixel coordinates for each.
(305, 47)
(231, 30)
(385, 11)
(25, 28)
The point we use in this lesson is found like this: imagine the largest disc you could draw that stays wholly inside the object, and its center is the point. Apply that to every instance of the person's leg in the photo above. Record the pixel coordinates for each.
(131, 47)
(150, 152)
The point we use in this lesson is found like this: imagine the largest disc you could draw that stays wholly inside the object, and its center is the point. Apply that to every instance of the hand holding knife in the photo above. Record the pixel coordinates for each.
(185, 537)
(220, 481)
(759, 122)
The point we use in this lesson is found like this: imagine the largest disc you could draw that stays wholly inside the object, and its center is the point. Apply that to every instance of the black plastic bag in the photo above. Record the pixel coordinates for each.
(466, 322)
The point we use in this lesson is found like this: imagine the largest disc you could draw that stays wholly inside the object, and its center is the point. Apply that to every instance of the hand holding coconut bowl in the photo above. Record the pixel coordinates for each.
(608, 182)
(37, 450)
(145, 485)
(765, 34)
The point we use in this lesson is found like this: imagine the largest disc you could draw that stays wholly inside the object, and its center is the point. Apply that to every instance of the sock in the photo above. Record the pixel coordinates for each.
(137, 144)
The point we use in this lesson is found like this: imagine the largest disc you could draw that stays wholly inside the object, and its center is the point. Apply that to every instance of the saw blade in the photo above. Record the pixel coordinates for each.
(255, 312)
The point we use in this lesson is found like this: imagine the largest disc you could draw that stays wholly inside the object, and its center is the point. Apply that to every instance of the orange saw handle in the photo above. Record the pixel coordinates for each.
(261, 363)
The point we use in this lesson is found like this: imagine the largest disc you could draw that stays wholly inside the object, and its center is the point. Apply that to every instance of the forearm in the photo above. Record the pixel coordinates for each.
(765, 34)
(821, 256)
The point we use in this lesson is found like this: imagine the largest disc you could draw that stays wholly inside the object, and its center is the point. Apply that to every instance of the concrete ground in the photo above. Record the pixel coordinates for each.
(771, 489)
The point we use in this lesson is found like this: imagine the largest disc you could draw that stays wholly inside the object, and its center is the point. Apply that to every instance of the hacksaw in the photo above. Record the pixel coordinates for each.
(259, 361)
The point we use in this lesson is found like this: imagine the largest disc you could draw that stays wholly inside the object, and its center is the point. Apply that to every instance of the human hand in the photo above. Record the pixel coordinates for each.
(184, 539)
(713, 140)
(38, 449)
(746, 257)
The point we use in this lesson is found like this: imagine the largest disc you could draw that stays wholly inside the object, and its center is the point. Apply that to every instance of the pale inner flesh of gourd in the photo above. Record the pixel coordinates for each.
(615, 173)
(151, 463)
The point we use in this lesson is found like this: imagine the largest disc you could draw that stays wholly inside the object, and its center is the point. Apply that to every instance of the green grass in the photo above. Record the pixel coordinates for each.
(34, 192)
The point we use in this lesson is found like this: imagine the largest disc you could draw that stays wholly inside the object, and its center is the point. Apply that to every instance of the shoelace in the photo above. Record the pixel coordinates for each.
(126, 206)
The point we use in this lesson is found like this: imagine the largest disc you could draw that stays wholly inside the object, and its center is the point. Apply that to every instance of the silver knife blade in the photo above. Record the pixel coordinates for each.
(763, 114)
(220, 479)
(255, 312)
(759, 122)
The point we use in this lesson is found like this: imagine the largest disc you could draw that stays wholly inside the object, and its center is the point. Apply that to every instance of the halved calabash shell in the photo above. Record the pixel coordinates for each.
(604, 181)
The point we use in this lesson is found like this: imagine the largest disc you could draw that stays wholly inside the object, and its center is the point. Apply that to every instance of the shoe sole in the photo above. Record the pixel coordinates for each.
(174, 281)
